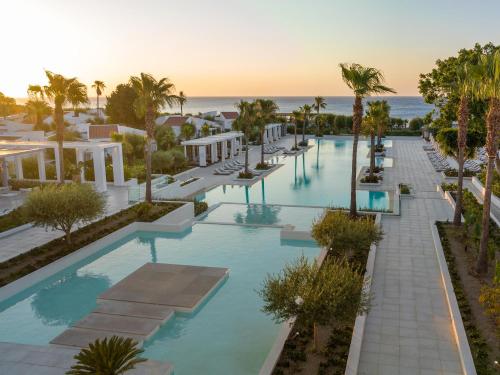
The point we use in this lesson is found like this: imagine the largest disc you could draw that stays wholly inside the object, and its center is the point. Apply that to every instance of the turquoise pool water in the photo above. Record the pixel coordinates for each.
(300, 217)
(319, 177)
(228, 335)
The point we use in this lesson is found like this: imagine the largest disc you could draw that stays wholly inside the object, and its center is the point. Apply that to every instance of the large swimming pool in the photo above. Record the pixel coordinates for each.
(318, 177)
(228, 335)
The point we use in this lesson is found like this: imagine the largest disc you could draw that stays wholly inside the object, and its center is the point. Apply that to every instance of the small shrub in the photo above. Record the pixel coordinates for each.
(200, 207)
(303, 143)
(449, 187)
(370, 179)
(404, 189)
(26, 184)
(454, 173)
(495, 186)
(244, 175)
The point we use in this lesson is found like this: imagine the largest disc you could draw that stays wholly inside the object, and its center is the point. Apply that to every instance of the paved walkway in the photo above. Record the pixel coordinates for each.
(408, 331)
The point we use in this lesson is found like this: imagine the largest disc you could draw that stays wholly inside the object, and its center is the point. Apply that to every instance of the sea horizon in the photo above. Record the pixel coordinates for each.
(406, 107)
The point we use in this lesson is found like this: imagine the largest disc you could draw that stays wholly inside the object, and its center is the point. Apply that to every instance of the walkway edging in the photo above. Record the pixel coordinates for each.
(456, 319)
(359, 324)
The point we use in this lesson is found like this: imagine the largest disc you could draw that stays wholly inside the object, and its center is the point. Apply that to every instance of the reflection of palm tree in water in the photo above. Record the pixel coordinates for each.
(151, 241)
(258, 214)
(317, 167)
(303, 180)
(69, 299)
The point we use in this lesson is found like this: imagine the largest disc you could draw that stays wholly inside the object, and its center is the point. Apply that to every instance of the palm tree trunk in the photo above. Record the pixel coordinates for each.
(262, 146)
(295, 128)
(181, 110)
(463, 117)
(59, 119)
(357, 115)
(98, 113)
(372, 152)
(246, 154)
(492, 125)
(317, 124)
(149, 137)
(304, 131)
(379, 136)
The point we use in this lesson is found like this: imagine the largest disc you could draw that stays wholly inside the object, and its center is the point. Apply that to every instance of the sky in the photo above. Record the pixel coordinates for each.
(236, 47)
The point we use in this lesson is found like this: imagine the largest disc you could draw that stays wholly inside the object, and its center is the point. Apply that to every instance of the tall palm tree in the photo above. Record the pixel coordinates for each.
(363, 81)
(58, 90)
(181, 99)
(319, 104)
(486, 86)
(297, 116)
(77, 94)
(107, 357)
(376, 116)
(245, 123)
(266, 111)
(464, 87)
(99, 87)
(306, 113)
(381, 126)
(36, 105)
(152, 95)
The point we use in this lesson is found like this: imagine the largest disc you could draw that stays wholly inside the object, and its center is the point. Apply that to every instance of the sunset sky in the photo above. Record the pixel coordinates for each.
(236, 47)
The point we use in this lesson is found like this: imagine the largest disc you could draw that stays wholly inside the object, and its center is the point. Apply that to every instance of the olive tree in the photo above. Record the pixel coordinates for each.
(315, 295)
(344, 235)
(62, 207)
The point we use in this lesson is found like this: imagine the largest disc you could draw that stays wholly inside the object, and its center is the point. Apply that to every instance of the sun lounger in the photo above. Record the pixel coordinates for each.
(220, 171)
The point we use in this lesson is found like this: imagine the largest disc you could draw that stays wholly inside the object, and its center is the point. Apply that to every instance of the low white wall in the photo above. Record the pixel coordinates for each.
(359, 325)
(456, 319)
(11, 231)
(495, 201)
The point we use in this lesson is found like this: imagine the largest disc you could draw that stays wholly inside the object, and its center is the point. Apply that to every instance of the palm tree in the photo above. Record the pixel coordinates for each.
(381, 126)
(181, 99)
(99, 87)
(306, 112)
(77, 94)
(113, 357)
(463, 83)
(245, 123)
(266, 110)
(376, 117)
(319, 104)
(58, 91)
(363, 81)
(486, 86)
(297, 116)
(36, 105)
(152, 95)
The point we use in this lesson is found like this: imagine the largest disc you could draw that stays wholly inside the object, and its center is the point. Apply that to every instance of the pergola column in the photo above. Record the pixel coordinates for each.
(5, 173)
(233, 147)
(18, 161)
(213, 152)
(224, 151)
(202, 155)
(99, 169)
(80, 158)
(117, 158)
(57, 162)
(265, 137)
(40, 158)
(240, 146)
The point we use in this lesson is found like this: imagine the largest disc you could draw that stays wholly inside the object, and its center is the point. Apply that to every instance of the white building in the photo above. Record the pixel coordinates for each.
(227, 119)
(176, 122)
(103, 133)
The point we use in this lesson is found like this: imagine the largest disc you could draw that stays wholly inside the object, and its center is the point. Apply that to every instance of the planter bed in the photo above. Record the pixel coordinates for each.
(13, 219)
(40, 256)
(480, 328)
(296, 356)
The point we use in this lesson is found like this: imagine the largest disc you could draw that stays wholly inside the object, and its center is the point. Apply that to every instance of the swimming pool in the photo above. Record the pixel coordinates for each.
(228, 335)
(318, 177)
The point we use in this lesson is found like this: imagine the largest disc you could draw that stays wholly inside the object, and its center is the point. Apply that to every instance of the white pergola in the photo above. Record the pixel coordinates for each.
(211, 149)
(273, 132)
(15, 151)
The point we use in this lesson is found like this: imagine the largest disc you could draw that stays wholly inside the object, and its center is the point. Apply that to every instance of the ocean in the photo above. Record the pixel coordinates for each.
(406, 107)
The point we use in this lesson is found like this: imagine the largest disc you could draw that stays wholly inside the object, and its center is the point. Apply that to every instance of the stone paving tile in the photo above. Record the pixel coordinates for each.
(408, 330)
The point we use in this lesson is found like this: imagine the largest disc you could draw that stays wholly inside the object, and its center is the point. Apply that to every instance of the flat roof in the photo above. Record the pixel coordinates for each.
(50, 144)
(7, 152)
(212, 139)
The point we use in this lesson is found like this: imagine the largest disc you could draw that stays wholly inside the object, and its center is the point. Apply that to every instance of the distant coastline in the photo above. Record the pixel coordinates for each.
(406, 107)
